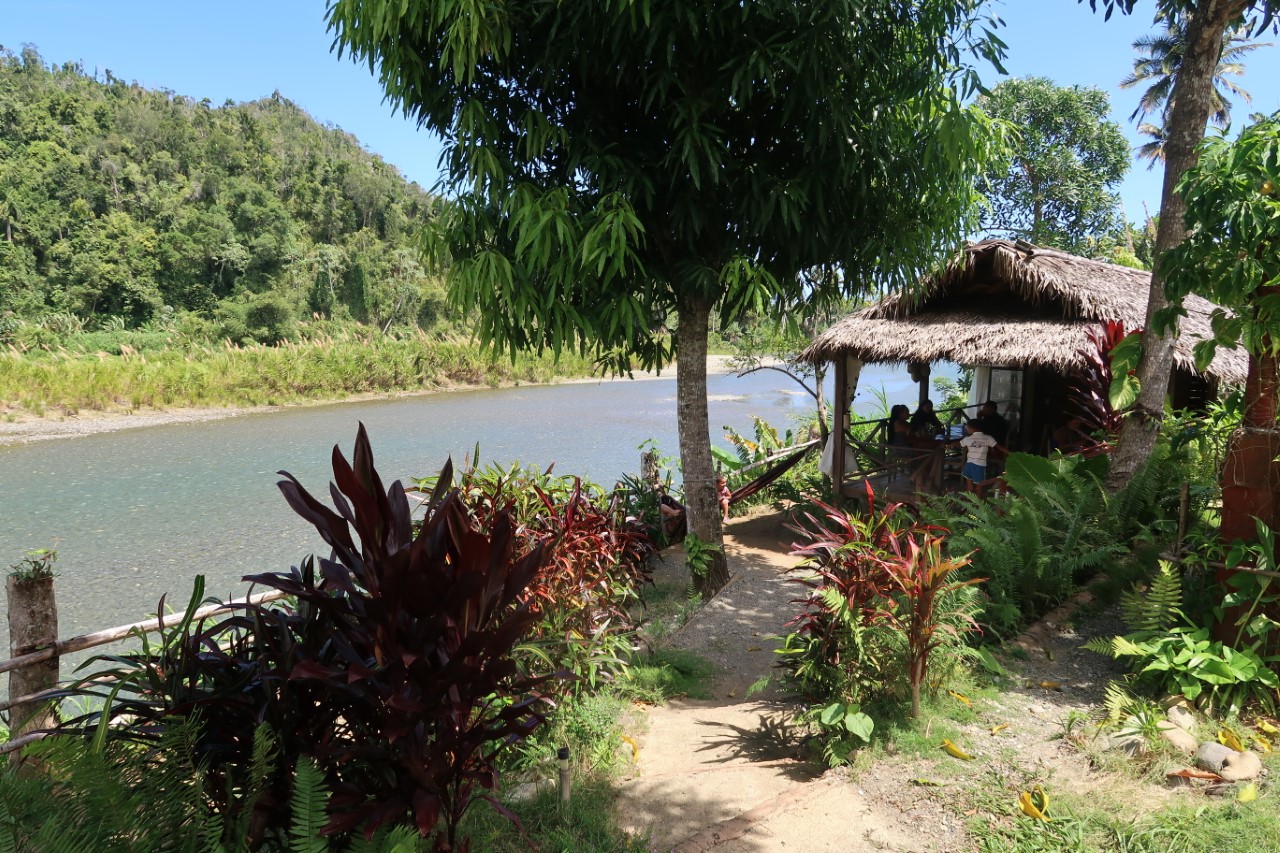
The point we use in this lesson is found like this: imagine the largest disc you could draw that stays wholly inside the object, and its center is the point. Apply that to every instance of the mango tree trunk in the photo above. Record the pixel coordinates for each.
(701, 505)
(1190, 104)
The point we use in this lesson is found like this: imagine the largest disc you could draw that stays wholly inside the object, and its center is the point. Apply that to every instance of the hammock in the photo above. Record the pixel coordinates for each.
(679, 523)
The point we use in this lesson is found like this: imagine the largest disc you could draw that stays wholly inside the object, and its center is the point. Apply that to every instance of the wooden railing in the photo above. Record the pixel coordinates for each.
(30, 704)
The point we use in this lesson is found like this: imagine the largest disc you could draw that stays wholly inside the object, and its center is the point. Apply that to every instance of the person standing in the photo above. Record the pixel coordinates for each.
(977, 445)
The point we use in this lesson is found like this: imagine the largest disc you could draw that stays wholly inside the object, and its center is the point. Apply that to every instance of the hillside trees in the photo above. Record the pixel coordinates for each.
(118, 200)
(619, 165)
(1057, 188)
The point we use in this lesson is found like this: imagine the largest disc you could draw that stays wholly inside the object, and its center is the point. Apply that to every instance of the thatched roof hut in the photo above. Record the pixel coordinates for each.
(998, 304)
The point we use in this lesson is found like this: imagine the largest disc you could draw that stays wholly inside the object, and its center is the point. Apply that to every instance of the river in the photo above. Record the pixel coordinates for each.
(136, 514)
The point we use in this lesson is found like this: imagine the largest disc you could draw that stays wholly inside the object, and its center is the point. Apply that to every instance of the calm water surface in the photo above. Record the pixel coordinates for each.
(136, 514)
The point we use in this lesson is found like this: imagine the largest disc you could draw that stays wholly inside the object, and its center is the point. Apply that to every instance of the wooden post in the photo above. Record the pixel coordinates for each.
(841, 423)
(33, 626)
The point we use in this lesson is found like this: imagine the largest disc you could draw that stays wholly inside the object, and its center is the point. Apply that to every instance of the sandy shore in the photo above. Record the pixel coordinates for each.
(26, 427)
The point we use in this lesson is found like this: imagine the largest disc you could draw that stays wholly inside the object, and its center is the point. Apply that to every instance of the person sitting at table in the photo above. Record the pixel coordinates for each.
(925, 423)
(992, 422)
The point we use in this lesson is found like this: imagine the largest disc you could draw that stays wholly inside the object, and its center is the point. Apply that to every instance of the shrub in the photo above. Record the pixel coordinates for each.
(882, 601)
(392, 668)
(593, 569)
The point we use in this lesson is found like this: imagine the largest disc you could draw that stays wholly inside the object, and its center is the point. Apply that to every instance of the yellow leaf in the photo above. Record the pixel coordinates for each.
(956, 751)
(1029, 808)
(1052, 685)
(1262, 743)
(995, 730)
(1041, 798)
(928, 783)
(1248, 793)
(1268, 728)
(964, 699)
(1228, 738)
(635, 748)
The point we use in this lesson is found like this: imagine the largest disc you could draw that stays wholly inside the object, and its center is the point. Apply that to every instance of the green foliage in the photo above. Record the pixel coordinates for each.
(883, 609)
(120, 201)
(326, 364)
(36, 564)
(698, 554)
(1036, 546)
(1057, 187)
(1168, 652)
(1229, 257)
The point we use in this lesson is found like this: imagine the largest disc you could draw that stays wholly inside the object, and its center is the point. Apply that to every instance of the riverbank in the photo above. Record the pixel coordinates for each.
(21, 426)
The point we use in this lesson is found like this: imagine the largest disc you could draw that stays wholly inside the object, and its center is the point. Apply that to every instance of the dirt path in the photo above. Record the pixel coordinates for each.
(727, 773)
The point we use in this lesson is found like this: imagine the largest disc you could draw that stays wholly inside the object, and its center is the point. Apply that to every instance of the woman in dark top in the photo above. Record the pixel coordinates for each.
(925, 423)
(899, 426)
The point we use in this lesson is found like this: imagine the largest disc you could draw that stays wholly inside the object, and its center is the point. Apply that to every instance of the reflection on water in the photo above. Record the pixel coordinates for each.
(138, 513)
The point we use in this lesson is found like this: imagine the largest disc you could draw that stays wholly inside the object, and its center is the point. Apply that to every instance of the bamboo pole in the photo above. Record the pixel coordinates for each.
(109, 635)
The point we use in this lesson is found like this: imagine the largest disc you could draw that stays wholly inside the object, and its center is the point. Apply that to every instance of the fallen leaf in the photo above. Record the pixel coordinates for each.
(956, 751)
(1268, 728)
(1261, 743)
(753, 648)
(1051, 685)
(1195, 774)
(928, 783)
(1248, 793)
(1030, 809)
(731, 694)
(960, 697)
(1228, 738)
(995, 730)
(1048, 652)
(635, 747)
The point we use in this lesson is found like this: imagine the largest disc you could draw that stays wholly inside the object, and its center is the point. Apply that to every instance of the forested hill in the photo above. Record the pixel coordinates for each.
(125, 206)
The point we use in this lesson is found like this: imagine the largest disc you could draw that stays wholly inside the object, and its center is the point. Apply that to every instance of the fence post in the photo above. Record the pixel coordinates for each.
(33, 625)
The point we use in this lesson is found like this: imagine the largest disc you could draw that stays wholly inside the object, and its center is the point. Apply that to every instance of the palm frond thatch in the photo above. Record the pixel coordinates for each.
(999, 305)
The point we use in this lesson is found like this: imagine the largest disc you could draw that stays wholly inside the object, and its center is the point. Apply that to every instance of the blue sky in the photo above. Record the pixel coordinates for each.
(242, 50)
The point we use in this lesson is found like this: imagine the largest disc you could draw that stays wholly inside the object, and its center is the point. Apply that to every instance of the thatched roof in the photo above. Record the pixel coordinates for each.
(999, 305)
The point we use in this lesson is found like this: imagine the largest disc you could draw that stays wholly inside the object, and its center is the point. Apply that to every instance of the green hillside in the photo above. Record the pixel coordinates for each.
(127, 208)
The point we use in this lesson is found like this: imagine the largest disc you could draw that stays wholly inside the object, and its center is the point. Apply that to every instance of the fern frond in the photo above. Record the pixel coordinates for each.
(308, 809)
(1099, 645)
(1158, 607)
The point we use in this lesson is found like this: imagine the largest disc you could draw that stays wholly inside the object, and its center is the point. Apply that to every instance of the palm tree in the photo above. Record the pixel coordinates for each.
(1158, 64)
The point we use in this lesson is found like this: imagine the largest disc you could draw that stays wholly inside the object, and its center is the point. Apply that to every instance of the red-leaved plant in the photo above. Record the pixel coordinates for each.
(923, 580)
(1089, 391)
(876, 596)
(391, 666)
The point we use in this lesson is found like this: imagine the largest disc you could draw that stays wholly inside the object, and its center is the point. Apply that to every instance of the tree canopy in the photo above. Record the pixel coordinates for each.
(617, 162)
(116, 200)
(1057, 188)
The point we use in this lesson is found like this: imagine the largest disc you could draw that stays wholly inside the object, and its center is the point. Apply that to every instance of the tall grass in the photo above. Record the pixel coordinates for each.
(322, 368)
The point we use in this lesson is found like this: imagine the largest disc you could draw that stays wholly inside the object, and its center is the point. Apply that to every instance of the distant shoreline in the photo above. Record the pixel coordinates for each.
(29, 428)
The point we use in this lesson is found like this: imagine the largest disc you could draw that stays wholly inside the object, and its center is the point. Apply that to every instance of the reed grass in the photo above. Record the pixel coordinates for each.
(322, 368)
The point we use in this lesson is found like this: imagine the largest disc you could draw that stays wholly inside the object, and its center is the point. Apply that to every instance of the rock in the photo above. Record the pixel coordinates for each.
(1211, 756)
(1182, 717)
(1227, 763)
(1242, 766)
(1178, 736)
(1130, 745)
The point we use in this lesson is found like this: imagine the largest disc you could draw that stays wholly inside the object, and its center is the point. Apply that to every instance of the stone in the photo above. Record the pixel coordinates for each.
(1178, 736)
(1227, 763)
(1182, 717)
(1130, 745)
(1241, 766)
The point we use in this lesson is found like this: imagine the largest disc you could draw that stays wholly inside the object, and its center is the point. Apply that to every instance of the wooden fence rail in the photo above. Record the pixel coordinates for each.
(34, 676)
